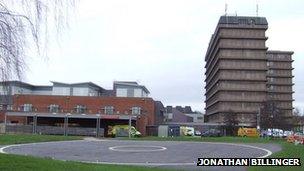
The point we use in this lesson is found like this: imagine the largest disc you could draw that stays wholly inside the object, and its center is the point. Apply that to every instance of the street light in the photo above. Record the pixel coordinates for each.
(258, 118)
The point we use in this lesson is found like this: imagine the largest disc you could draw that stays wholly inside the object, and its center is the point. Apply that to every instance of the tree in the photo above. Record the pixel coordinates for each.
(24, 23)
(273, 117)
(297, 119)
(231, 122)
(296, 112)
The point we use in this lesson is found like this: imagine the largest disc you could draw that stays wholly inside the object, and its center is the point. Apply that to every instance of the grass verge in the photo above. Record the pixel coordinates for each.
(228, 139)
(26, 163)
(6, 139)
(289, 150)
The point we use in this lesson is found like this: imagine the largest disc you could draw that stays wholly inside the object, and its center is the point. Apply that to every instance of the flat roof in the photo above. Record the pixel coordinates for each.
(237, 19)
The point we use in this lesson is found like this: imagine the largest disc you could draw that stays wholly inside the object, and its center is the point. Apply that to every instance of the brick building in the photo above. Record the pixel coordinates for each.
(83, 104)
(241, 73)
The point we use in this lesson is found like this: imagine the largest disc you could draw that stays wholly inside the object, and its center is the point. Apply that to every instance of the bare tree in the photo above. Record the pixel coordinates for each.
(296, 112)
(25, 24)
(297, 119)
(231, 122)
(273, 117)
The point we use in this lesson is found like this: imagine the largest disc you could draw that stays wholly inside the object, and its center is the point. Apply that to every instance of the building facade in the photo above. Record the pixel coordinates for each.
(279, 80)
(129, 89)
(181, 114)
(83, 103)
(237, 70)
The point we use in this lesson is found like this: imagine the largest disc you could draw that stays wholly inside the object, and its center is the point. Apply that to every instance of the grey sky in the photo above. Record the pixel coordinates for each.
(159, 43)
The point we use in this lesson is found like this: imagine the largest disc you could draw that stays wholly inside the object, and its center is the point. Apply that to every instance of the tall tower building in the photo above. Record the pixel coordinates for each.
(241, 74)
(279, 80)
(236, 66)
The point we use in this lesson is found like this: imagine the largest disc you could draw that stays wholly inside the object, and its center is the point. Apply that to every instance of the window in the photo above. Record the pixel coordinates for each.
(53, 108)
(27, 107)
(80, 109)
(1, 107)
(270, 71)
(109, 110)
(9, 107)
(3, 90)
(252, 21)
(136, 110)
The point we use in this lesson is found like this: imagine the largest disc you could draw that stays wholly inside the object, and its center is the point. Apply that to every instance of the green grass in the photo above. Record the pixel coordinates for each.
(289, 150)
(228, 139)
(15, 162)
(6, 139)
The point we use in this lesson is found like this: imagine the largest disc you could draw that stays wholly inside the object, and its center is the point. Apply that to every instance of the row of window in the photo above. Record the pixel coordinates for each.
(279, 64)
(243, 64)
(279, 56)
(54, 108)
(242, 33)
(279, 72)
(242, 43)
(6, 107)
(279, 88)
(279, 80)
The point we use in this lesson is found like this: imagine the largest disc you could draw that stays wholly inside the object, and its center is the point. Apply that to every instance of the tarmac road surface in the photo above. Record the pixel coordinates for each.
(168, 154)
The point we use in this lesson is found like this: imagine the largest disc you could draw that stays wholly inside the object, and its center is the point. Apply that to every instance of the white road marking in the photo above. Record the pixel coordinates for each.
(121, 148)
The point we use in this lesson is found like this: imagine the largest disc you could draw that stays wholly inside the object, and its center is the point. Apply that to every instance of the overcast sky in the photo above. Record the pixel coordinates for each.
(160, 43)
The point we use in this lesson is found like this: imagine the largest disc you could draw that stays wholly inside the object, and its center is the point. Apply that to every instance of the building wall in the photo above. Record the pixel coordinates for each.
(80, 91)
(42, 92)
(20, 90)
(61, 91)
(241, 73)
(279, 79)
(197, 117)
(236, 69)
(94, 105)
(130, 90)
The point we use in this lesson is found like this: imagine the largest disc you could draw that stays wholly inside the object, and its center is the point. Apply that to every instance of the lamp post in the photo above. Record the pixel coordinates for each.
(130, 116)
(34, 123)
(66, 123)
(97, 124)
(258, 118)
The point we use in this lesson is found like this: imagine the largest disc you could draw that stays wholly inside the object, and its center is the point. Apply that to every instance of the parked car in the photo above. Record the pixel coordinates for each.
(277, 133)
(197, 133)
(212, 133)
